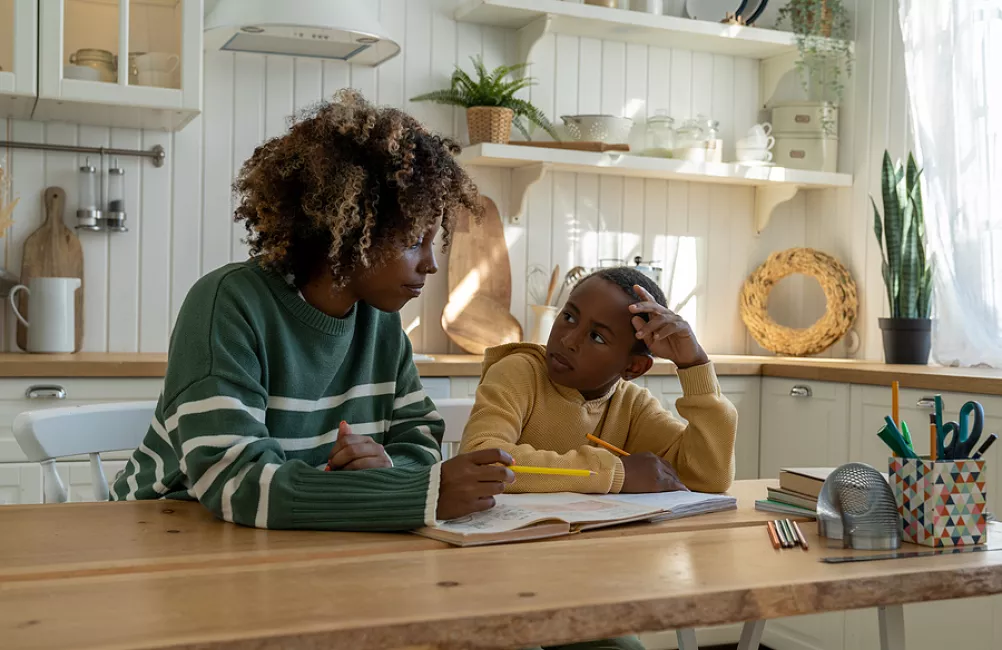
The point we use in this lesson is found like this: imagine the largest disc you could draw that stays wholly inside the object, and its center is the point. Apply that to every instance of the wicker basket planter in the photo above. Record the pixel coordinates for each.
(489, 124)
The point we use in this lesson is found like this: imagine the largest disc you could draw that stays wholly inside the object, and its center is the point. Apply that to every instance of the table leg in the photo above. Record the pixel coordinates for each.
(687, 639)
(751, 635)
(892, 627)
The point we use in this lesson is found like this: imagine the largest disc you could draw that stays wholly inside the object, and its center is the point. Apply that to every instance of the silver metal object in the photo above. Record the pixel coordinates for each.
(157, 154)
(115, 215)
(801, 391)
(857, 506)
(926, 402)
(45, 391)
(89, 210)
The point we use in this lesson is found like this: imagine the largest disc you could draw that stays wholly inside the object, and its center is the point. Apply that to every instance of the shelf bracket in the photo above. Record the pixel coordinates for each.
(767, 198)
(530, 35)
(522, 180)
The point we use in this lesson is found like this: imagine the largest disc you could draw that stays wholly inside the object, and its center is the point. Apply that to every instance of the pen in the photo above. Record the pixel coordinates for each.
(773, 535)
(906, 434)
(602, 443)
(984, 447)
(549, 471)
(800, 534)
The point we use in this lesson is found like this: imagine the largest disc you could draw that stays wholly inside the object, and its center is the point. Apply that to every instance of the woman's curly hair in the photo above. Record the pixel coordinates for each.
(350, 184)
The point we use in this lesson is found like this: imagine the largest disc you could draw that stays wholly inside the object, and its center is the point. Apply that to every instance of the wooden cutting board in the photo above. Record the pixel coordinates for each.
(52, 251)
(480, 324)
(479, 256)
(477, 315)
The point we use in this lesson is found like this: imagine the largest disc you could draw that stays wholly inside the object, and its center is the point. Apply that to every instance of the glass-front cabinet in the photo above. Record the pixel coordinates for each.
(18, 57)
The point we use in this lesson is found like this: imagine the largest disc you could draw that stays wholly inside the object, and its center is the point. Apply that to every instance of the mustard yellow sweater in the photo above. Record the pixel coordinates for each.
(518, 409)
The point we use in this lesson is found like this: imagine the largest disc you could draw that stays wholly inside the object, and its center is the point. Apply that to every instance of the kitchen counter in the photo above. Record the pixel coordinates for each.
(970, 380)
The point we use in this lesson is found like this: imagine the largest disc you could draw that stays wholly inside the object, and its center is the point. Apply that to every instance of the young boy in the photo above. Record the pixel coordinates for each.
(271, 357)
(539, 404)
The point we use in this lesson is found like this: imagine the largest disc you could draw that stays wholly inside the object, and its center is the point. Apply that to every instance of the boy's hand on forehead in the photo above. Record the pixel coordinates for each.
(666, 334)
(353, 452)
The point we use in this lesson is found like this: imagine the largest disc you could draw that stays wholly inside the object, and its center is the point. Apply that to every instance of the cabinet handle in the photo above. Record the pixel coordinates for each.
(48, 391)
(926, 402)
(801, 391)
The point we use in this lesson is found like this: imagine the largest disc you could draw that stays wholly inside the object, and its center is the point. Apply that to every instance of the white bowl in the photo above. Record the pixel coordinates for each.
(607, 129)
(81, 72)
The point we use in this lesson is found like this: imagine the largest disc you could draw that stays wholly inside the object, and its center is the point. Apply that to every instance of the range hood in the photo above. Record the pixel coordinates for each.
(345, 30)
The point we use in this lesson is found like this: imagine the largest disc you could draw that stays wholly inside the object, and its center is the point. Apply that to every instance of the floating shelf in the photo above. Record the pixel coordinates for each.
(773, 185)
(627, 26)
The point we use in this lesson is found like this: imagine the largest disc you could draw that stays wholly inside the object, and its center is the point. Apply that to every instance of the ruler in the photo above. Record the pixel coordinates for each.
(901, 555)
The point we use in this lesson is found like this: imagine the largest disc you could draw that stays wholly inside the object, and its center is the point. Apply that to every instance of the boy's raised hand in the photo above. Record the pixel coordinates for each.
(649, 472)
(469, 482)
(353, 452)
(666, 334)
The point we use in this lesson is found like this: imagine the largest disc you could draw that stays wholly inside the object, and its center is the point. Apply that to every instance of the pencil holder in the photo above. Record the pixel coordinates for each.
(941, 503)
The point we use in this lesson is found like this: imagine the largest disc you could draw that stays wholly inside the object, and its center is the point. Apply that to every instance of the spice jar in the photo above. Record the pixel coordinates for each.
(115, 215)
(659, 140)
(89, 211)
(101, 60)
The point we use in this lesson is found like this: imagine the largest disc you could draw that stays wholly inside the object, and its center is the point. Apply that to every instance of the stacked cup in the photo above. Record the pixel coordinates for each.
(756, 147)
(157, 69)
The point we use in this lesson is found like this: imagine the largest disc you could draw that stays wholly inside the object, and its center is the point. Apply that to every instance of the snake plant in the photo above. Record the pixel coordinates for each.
(906, 267)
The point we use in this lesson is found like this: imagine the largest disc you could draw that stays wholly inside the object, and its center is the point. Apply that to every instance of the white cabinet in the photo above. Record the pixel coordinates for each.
(157, 86)
(972, 620)
(804, 424)
(744, 393)
(18, 57)
(20, 483)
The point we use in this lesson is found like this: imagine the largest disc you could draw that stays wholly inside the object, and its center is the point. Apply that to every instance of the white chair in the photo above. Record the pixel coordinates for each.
(456, 413)
(49, 434)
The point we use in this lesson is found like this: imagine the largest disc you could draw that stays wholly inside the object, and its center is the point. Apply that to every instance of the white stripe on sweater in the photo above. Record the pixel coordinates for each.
(232, 486)
(432, 416)
(267, 472)
(210, 475)
(210, 404)
(408, 399)
(324, 403)
(219, 441)
(313, 442)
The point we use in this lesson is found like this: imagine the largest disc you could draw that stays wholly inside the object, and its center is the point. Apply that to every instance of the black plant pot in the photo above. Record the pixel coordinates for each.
(907, 340)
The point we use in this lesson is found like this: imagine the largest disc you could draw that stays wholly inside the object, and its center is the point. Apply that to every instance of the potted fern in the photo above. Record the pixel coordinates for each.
(906, 267)
(490, 102)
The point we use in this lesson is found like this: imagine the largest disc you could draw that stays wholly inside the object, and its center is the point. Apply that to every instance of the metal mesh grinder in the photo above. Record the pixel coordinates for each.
(857, 506)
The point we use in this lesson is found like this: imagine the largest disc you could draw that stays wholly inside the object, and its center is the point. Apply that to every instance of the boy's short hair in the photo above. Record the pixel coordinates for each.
(625, 277)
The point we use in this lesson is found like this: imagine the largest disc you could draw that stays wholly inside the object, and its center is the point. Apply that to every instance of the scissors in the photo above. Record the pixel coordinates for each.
(963, 437)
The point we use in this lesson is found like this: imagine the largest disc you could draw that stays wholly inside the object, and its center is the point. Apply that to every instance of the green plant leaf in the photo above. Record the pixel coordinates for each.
(448, 97)
(893, 225)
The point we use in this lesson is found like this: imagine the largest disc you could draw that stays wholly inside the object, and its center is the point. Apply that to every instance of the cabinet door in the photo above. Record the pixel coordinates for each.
(158, 87)
(972, 620)
(18, 57)
(20, 483)
(804, 424)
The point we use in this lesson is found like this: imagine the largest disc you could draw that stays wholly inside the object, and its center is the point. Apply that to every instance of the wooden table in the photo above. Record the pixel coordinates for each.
(106, 582)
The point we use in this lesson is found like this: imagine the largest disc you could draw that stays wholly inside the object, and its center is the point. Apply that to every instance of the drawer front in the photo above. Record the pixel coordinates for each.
(76, 392)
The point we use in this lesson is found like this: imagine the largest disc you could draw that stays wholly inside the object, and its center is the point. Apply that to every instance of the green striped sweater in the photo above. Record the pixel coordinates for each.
(257, 383)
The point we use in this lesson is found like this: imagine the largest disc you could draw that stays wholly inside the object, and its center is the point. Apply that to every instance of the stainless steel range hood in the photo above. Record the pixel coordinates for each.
(344, 30)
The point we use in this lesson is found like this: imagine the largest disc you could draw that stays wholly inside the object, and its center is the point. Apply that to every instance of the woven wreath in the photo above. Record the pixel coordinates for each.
(841, 308)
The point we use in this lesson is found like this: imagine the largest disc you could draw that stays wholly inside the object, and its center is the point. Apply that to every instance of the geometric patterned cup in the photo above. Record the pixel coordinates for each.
(943, 503)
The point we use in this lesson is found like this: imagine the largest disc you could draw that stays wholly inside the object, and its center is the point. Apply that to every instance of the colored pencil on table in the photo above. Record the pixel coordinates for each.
(549, 471)
(602, 443)
(794, 540)
(800, 534)
(773, 535)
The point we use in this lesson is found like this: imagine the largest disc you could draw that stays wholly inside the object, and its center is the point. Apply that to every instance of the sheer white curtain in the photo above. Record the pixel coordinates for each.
(953, 57)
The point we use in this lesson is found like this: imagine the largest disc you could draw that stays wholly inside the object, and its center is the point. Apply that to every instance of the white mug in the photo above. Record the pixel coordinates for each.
(156, 79)
(760, 130)
(52, 309)
(157, 62)
(755, 142)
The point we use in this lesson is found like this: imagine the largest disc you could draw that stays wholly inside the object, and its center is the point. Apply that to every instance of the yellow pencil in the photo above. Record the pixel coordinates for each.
(550, 471)
(602, 443)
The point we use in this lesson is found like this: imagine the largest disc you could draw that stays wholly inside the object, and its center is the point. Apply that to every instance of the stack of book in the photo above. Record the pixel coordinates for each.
(798, 491)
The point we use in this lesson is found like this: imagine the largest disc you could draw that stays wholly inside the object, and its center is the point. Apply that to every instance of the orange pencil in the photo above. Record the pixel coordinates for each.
(895, 388)
(773, 535)
(800, 534)
(603, 443)
(933, 438)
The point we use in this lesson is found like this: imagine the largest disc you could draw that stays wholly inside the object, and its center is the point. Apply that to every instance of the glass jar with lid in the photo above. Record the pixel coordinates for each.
(659, 140)
(101, 60)
(114, 216)
(89, 210)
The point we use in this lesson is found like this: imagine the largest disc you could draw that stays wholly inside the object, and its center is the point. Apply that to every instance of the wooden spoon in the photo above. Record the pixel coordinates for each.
(553, 284)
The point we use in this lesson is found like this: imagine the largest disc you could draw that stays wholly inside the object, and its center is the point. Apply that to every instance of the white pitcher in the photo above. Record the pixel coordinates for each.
(52, 327)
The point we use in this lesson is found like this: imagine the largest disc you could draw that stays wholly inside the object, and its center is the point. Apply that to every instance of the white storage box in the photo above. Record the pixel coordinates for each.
(804, 117)
(812, 152)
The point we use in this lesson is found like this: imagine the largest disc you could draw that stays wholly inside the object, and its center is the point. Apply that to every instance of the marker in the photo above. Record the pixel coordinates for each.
(984, 447)
(550, 471)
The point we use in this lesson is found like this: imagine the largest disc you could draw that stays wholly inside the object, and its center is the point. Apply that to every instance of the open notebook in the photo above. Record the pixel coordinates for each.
(523, 517)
